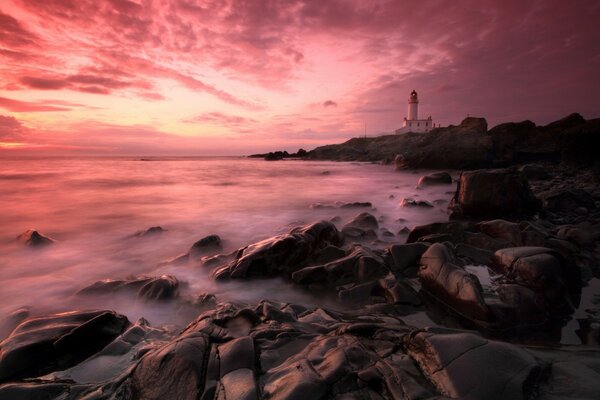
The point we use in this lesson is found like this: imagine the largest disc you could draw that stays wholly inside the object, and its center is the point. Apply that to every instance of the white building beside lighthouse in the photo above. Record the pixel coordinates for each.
(412, 123)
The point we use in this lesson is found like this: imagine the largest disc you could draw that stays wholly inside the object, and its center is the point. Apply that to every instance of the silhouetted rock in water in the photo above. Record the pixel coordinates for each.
(408, 202)
(274, 156)
(10, 321)
(33, 238)
(485, 194)
(45, 344)
(361, 227)
(206, 244)
(281, 255)
(341, 204)
(280, 155)
(360, 266)
(437, 178)
(164, 287)
(152, 231)
(458, 364)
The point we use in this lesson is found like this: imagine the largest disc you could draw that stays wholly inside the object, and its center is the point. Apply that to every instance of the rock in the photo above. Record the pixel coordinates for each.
(9, 322)
(44, 344)
(341, 204)
(206, 244)
(32, 238)
(534, 172)
(474, 255)
(165, 287)
(406, 256)
(506, 231)
(152, 231)
(437, 178)
(440, 276)
(359, 266)
(467, 366)
(281, 255)
(544, 271)
(456, 229)
(488, 194)
(566, 201)
(364, 221)
(408, 202)
(184, 358)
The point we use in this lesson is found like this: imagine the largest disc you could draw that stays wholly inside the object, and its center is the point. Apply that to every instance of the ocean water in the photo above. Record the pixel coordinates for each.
(92, 206)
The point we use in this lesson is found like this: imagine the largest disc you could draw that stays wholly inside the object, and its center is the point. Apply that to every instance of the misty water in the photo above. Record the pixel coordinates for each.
(92, 206)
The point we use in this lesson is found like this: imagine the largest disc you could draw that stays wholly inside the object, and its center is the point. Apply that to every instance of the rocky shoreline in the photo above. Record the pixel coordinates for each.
(496, 283)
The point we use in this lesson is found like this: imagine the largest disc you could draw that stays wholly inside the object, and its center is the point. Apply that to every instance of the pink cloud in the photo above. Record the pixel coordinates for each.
(25, 106)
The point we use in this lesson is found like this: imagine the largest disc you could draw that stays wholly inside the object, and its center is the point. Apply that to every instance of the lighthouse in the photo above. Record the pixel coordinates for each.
(411, 122)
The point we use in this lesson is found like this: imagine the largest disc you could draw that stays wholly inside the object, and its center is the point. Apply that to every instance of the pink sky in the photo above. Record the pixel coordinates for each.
(236, 77)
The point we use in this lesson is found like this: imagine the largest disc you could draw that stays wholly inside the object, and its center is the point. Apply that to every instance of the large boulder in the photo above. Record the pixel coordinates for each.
(363, 226)
(281, 255)
(165, 287)
(488, 194)
(441, 277)
(41, 345)
(437, 178)
(361, 265)
(466, 366)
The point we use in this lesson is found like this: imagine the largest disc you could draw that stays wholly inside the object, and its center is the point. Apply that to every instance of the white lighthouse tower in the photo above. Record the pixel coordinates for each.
(412, 123)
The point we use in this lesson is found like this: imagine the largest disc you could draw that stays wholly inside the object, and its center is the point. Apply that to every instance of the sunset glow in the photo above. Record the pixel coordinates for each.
(235, 77)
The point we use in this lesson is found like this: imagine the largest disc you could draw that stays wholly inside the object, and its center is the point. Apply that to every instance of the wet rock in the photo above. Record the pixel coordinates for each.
(328, 254)
(408, 202)
(341, 204)
(566, 201)
(467, 366)
(437, 178)
(545, 272)
(152, 231)
(10, 321)
(440, 276)
(474, 255)
(486, 194)
(206, 244)
(183, 358)
(359, 266)
(361, 227)
(534, 172)
(32, 238)
(282, 254)
(165, 287)
(406, 256)
(45, 344)
(506, 231)
(456, 229)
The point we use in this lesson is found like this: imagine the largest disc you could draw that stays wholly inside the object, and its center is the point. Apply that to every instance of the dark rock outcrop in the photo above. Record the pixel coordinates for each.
(281, 255)
(152, 231)
(485, 194)
(164, 287)
(32, 238)
(45, 344)
(437, 178)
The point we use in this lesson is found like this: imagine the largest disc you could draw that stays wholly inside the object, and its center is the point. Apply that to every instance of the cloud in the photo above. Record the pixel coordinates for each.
(10, 128)
(329, 103)
(25, 106)
(220, 119)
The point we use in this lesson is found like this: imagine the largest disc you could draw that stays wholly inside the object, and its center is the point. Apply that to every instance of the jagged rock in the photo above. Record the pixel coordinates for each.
(44, 344)
(506, 231)
(164, 287)
(359, 266)
(152, 231)
(440, 276)
(362, 227)
(544, 271)
(437, 178)
(485, 194)
(32, 238)
(408, 202)
(467, 366)
(406, 256)
(534, 172)
(281, 255)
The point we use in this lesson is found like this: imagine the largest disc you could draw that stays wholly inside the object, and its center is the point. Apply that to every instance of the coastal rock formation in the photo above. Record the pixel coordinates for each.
(281, 255)
(32, 238)
(152, 231)
(485, 194)
(437, 178)
(164, 287)
(41, 345)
